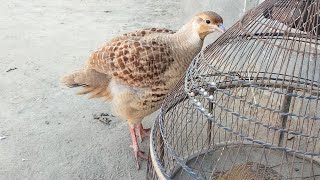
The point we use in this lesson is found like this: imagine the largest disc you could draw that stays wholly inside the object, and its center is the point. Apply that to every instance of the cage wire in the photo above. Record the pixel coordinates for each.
(248, 107)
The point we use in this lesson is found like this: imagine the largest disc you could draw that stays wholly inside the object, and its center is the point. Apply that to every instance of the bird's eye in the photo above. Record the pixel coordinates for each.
(208, 21)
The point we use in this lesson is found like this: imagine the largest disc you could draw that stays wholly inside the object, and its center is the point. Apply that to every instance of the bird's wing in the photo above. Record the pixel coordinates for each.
(141, 33)
(131, 61)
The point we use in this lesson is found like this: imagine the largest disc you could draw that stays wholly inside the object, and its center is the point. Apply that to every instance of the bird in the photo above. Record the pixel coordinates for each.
(248, 171)
(135, 71)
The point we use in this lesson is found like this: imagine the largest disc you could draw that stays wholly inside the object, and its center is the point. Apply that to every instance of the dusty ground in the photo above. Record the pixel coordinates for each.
(46, 131)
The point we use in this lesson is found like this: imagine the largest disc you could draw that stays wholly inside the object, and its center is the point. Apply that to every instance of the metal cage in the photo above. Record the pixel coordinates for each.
(248, 107)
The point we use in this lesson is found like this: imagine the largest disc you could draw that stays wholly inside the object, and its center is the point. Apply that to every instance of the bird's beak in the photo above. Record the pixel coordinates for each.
(220, 28)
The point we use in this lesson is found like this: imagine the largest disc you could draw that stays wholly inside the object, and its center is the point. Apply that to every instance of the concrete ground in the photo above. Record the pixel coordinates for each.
(46, 131)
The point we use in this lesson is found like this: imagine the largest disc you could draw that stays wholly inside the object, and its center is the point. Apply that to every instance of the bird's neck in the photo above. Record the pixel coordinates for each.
(188, 36)
(187, 44)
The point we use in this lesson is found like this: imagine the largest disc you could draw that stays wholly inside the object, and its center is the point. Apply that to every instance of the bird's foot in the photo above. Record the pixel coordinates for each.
(143, 133)
(138, 154)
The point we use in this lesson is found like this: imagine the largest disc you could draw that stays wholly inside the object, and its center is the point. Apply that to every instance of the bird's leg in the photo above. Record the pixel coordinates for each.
(137, 152)
(143, 132)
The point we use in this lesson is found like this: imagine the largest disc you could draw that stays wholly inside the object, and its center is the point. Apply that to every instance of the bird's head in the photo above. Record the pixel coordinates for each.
(207, 22)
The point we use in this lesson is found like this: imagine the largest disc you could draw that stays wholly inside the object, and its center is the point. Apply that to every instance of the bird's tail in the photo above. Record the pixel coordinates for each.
(95, 83)
(73, 80)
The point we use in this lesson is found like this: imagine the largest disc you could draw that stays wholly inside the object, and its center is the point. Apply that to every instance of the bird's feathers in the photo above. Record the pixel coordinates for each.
(92, 81)
(133, 62)
(127, 59)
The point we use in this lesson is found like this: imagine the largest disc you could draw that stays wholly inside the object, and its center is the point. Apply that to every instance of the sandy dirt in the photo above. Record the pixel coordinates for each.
(46, 131)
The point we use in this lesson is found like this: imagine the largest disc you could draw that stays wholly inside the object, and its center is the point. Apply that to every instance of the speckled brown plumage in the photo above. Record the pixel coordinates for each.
(132, 61)
(135, 71)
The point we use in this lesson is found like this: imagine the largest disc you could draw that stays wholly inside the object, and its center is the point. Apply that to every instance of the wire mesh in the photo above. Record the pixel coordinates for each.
(248, 105)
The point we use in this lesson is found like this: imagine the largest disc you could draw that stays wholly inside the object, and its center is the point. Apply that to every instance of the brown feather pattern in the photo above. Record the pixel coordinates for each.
(139, 65)
(126, 59)
(136, 70)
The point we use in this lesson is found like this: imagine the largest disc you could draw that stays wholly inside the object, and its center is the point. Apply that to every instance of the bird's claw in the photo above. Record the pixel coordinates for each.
(139, 154)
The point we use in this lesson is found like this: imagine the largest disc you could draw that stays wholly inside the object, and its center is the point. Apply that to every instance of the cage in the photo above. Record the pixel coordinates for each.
(248, 106)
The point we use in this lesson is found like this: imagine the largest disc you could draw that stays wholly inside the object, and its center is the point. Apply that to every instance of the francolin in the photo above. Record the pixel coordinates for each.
(136, 71)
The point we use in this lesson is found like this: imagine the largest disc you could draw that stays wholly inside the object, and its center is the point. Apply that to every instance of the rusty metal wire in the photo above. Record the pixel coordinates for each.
(249, 100)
